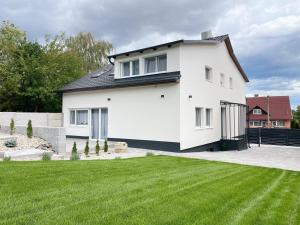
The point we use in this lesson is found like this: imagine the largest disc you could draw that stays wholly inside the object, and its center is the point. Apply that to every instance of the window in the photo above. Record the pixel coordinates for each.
(162, 63)
(208, 114)
(78, 117)
(199, 117)
(208, 73)
(278, 123)
(222, 80)
(81, 117)
(72, 117)
(130, 68)
(135, 67)
(256, 111)
(255, 123)
(156, 64)
(230, 82)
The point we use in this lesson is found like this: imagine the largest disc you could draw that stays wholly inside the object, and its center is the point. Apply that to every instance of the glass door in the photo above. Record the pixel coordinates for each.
(95, 124)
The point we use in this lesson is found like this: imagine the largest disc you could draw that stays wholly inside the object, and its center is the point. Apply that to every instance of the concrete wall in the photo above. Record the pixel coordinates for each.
(133, 113)
(38, 119)
(206, 94)
(54, 135)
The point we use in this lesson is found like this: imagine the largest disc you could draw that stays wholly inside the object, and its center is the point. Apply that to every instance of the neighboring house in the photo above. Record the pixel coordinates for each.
(166, 97)
(269, 112)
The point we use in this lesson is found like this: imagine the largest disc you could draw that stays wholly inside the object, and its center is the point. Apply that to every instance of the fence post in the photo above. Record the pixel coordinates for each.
(259, 137)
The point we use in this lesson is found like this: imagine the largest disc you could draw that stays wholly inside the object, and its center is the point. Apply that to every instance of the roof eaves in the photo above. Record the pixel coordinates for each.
(141, 50)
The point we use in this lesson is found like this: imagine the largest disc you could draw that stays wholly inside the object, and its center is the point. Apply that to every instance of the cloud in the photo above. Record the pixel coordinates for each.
(276, 86)
(265, 34)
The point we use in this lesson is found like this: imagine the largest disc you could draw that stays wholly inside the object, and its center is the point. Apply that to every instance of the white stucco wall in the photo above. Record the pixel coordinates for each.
(133, 113)
(193, 59)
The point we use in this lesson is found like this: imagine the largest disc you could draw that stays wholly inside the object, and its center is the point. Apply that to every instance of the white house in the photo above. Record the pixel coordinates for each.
(181, 95)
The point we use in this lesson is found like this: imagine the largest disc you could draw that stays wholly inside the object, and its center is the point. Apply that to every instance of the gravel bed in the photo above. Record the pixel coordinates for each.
(23, 142)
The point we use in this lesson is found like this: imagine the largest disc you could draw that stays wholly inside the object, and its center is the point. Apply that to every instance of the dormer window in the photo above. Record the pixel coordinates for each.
(156, 64)
(256, 111)
(130, 68)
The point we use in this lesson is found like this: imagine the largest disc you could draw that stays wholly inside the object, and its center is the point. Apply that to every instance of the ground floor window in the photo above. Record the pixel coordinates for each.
(208, 114)
(199, 117)
(79, 117)
(257, 123)
(279, 123)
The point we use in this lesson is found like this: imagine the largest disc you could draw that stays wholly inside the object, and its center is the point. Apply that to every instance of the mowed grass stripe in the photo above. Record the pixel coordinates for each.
(151, 190)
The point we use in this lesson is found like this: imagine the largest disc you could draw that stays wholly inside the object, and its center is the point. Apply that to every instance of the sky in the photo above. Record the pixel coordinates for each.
(265, 34)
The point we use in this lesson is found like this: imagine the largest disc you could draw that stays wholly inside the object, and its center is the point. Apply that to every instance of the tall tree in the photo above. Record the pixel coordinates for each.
(93, 52)
(31, 73)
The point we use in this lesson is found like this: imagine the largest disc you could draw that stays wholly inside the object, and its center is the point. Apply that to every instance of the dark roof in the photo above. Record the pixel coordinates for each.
(104, 79)
(212, 40)
(280, 107)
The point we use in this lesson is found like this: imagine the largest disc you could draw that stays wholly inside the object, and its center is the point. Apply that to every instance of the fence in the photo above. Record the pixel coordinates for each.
(274, 136)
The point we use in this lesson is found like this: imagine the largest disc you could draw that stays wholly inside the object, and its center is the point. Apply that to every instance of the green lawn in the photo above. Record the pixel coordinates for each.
(151, 190)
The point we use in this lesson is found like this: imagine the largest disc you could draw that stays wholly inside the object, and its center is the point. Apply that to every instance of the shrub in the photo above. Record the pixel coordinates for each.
(6, 159)
(46, 156)
(97, 147)
(11, 143)
(105, 146)
(74, 156)
(74, 149)
(87, 148)
(149, 154)
(29, 129)
(12, 126)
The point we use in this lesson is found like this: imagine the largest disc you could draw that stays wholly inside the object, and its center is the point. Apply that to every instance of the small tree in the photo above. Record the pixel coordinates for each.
(87, 148)
(29, 129)
(12, 126)
(97, 147)
(74, 149)
(105, 146)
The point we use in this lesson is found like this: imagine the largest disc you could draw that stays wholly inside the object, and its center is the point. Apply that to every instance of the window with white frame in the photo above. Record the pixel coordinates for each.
(208, 117)
(257, 112)
(156, 64)
(72, 117)
(230, 82)
(130, 68)
(222, 80)
(278, 123)
(255, 123)
(208, 73)
(198, 117)
(135, 67)
(79, 117)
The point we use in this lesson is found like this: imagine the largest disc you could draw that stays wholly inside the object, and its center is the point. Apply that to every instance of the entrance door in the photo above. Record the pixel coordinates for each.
(95, 124)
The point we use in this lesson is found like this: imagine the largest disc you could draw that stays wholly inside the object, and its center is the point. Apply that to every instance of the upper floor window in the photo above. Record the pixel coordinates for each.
(156, 64)
(208, 73)
(131, 68)
(230, 82)
(222, 80)
(257, 111)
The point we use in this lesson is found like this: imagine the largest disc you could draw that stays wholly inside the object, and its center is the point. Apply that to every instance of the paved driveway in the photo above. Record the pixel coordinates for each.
(281, 157)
